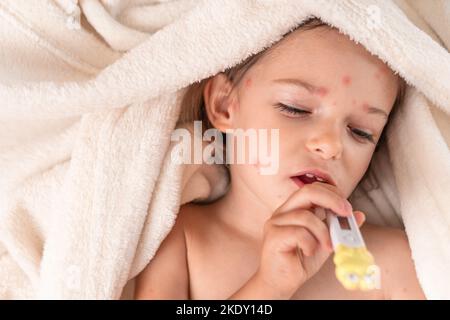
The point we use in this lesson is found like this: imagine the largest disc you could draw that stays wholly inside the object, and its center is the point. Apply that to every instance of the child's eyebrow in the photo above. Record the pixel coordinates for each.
(299, 83)
(376, 111)
(312, 89)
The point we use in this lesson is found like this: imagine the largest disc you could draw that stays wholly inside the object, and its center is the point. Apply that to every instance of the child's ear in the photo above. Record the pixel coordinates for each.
(218, 102)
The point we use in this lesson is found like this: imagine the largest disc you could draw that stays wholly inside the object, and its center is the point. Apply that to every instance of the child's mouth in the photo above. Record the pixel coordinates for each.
(298, 181)
(307, 178)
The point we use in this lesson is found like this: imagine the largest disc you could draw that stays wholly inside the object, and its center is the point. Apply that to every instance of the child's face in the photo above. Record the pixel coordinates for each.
(347, 82)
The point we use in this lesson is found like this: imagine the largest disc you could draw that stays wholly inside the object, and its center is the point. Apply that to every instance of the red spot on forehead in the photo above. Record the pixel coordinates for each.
(321, 91)
(382, 71)
(248, 83)
(346, 80)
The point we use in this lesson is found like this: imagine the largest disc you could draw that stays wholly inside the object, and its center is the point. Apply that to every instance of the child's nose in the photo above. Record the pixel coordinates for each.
(327, 145)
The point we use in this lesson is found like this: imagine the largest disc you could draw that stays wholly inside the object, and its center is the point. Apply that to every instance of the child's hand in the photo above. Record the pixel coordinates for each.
(296, 241)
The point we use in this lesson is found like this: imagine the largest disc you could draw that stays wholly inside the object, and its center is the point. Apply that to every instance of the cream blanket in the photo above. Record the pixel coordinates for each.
(90, 94)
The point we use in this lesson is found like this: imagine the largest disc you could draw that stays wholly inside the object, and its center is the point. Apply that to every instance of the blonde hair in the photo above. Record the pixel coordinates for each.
(193, 104)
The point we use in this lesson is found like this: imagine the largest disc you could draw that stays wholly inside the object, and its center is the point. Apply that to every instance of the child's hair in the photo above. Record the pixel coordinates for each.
(193, 104)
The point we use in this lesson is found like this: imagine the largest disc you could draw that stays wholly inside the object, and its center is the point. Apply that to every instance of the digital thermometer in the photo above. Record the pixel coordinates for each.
(355, 265)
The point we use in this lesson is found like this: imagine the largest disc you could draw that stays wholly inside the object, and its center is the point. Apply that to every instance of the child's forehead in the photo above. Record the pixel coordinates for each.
(319, 44)
(321, 52)
(338, 67)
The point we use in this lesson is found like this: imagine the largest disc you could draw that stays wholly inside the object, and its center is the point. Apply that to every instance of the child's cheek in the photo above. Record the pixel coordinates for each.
(254, 161)
(260, 164)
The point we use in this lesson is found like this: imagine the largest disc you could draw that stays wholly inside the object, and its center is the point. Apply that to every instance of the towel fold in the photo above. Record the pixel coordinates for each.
(91, 93)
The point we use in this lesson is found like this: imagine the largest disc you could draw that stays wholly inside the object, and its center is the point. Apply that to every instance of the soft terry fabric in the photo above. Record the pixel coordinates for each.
(90, 93)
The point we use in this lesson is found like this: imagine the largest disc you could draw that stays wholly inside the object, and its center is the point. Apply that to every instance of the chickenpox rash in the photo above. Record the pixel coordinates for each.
(248, 83)
(381, 71)
(346, 80)
(365, 106)
(321, 91)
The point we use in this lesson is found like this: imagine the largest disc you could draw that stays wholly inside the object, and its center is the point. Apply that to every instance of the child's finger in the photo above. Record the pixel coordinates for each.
(308, 220)
(360, 217)
(316, 194)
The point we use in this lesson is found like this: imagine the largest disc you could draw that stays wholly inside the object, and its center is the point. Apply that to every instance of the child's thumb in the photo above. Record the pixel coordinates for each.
(360, 217)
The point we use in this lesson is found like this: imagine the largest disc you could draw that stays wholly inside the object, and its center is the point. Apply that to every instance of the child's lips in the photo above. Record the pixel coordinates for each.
(299, 182)
(312, 175)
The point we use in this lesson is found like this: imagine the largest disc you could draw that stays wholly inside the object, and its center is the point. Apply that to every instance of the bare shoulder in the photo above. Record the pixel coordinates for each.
(392, 253)
(167, 276)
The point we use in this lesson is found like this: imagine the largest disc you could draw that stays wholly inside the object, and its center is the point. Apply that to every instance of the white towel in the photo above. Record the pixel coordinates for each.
(90, 93)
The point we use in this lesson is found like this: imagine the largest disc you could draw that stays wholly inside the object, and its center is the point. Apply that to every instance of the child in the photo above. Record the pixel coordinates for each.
(330, 99)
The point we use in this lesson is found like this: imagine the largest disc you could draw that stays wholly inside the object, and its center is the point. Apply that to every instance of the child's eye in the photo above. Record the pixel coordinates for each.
(291, 110)
(296, 111)
(362, 134)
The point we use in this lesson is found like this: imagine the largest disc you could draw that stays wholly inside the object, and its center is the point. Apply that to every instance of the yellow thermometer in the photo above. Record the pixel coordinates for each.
(355, 265)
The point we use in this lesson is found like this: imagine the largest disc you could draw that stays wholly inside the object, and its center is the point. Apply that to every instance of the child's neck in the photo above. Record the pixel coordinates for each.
(243, 210)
